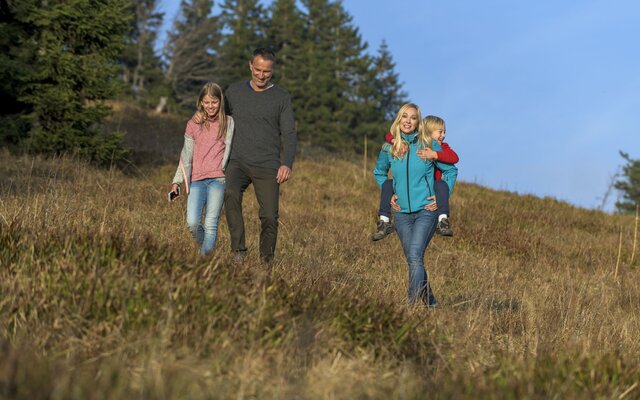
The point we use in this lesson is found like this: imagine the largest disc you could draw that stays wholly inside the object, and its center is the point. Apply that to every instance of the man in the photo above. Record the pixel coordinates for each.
(262, 152)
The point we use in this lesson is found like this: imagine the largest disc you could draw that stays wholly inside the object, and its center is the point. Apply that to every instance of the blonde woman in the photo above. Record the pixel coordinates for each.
(417, 219)
(204, 157)
(441, 151)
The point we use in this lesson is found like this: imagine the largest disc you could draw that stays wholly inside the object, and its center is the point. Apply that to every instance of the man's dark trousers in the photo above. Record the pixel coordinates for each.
(239, 175)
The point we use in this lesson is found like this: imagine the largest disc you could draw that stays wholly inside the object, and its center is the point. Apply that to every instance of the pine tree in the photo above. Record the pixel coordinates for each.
(14, 124)
(351, 66)
(388, 85)
(320, 91)
(64, 56)
(629, 185)
(191, 50)
(336, 67)
(285, 36)
(366, 117)
(379, 97)
(141, 66)
(244, 23)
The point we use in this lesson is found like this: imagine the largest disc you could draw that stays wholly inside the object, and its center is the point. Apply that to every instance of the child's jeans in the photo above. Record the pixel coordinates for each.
(442, 198)
(205, 195)
(385, 198)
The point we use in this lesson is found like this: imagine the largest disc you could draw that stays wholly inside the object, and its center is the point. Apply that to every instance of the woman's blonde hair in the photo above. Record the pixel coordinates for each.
(400, 146)
(214, 90)
(433, 123)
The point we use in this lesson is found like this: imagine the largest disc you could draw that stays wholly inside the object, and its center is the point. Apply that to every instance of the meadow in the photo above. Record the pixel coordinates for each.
(103, 295)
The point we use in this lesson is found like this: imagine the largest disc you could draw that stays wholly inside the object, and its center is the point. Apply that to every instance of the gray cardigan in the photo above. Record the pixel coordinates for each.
(183, 173)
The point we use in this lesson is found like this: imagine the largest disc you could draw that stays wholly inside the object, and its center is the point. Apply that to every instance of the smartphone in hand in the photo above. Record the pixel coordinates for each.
(171, 196)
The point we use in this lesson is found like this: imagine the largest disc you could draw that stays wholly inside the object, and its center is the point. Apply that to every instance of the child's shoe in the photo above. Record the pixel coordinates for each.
(384, 229)
(443, 228)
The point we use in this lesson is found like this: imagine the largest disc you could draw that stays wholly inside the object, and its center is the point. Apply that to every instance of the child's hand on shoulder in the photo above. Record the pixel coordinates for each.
(402, 151)
(427, 154)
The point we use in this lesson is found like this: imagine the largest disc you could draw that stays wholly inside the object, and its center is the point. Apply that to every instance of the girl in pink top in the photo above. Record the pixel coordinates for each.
(202, 162)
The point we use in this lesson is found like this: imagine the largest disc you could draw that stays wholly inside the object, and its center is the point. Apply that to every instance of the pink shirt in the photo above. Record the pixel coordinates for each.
(208, 150)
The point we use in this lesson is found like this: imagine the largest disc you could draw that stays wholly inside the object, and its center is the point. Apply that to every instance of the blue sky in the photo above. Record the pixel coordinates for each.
(539, 97)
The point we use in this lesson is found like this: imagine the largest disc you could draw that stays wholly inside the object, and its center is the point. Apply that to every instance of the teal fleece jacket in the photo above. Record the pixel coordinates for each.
(412, 177)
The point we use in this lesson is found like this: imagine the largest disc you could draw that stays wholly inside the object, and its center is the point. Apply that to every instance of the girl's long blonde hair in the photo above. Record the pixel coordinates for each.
(400, 146)
(214, 90)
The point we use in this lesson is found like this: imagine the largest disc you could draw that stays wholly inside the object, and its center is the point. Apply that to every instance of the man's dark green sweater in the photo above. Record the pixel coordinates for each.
(264, 125)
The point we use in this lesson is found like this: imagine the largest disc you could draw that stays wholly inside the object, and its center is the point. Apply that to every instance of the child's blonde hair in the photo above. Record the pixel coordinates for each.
(433, 123)
(400, 146)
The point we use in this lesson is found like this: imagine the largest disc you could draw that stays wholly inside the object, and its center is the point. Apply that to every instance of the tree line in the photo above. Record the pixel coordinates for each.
(61, 60)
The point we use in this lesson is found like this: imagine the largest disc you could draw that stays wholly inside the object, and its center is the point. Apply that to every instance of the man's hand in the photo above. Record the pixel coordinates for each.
(394, 203)
(431, 206)
(198, 117)
(427, 154)
(284, 173)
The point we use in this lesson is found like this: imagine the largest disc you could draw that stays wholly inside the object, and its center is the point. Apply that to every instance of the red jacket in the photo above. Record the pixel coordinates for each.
(447, 155)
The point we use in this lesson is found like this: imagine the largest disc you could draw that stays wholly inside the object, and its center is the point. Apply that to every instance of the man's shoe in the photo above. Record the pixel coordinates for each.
(443, 228)
(384, 229)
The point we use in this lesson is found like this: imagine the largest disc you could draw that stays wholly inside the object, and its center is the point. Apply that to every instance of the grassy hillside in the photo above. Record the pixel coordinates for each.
(102, 294)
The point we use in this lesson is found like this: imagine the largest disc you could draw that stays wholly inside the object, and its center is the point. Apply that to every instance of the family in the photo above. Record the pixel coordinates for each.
(247, 135)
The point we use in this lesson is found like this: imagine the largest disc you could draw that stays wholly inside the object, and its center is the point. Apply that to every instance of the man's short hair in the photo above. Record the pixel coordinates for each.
(264, 52)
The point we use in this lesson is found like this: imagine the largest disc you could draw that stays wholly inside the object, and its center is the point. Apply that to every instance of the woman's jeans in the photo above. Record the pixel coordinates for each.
(206, 193)
(415, 231)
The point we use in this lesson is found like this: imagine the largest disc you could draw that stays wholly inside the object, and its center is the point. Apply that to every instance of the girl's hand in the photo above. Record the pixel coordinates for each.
(174, 193)
(394, 204)
(427, 154)
(431, 206)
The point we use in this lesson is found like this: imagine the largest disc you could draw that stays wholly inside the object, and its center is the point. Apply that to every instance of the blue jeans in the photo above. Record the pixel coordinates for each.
(206, 193)
(440, 188)
(415, 231)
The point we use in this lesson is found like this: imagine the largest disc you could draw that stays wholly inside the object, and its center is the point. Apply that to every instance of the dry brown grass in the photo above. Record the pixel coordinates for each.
(102, 295)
